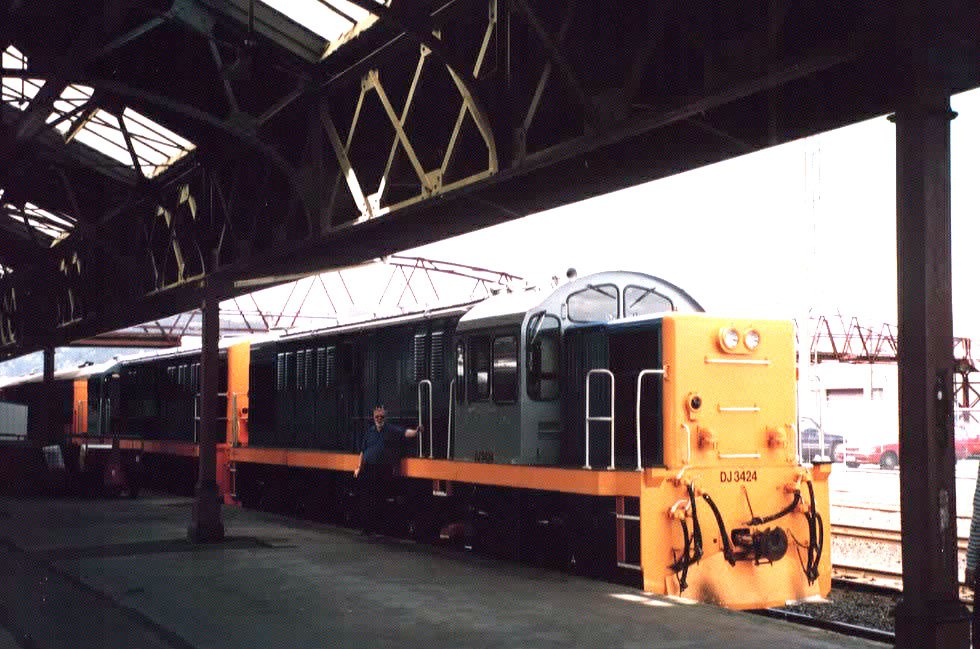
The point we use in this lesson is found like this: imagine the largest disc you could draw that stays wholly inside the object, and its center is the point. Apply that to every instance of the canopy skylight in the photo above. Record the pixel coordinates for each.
(130, 138)
(330, 19)
(17, 91)
(50, 224)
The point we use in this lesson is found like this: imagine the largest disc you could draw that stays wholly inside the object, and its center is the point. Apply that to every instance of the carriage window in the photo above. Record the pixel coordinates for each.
(644, 301)
(479, 370)
(505, 369)
(598, 303)
(543, 334)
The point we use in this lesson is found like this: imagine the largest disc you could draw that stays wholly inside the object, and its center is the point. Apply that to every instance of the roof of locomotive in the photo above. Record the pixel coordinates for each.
(363, 325)
(510, 308)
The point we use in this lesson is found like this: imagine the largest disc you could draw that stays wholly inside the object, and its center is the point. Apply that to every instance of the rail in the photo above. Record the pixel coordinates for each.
(639, 393)
(427, 383)
(589, 418)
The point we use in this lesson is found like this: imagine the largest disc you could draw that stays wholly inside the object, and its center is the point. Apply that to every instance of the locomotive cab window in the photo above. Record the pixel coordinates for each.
(505, 369)
(543, 335)
(479, 370)
(644, 301)
(599, 303)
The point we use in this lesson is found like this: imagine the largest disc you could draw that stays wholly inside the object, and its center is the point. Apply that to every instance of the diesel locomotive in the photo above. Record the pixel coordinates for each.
(608, 426)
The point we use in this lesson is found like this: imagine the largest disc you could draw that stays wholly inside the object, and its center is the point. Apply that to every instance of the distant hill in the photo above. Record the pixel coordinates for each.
(64, 358)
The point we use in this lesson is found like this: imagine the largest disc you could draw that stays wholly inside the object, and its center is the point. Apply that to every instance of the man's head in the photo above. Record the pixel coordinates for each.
(379, 416)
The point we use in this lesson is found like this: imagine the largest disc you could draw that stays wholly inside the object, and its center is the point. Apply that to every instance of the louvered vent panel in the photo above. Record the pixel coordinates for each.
(321, 366)
(436, 359)
(300, 369)
(421, 366)
(331, 372)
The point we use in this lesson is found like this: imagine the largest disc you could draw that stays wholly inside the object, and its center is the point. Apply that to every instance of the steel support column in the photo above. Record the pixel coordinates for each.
(42, 433)
(930, 614)
(206, 525)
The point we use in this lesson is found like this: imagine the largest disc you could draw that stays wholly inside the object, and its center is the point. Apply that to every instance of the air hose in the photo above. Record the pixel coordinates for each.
(726, 543)
(693, 545)
(815, 547)
(783, 512)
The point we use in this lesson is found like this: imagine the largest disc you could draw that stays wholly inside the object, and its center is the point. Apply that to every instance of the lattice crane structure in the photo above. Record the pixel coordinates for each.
(837, 338)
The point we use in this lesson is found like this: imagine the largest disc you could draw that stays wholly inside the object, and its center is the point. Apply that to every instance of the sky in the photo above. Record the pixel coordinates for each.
(805, 227)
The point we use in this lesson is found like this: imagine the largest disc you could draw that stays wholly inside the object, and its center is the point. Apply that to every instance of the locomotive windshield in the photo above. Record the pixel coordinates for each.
(595, 303)
(645, 301)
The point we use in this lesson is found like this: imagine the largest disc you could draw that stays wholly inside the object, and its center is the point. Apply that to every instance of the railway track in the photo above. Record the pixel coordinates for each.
(884, 509)
(852, 630)
(872, 557)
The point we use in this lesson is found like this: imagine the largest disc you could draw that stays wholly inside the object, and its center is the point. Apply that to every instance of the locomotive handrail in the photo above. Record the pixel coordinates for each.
(639, 385)
(612, 413)
(76, 423)
(452, 417)
(428, 383)
(234, 421)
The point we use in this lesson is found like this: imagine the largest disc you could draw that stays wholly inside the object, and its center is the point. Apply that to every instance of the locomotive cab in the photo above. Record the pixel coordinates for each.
(522, 360)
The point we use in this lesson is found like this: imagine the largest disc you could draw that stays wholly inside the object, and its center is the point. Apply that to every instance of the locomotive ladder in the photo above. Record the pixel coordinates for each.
(589, 417)
(624, 517)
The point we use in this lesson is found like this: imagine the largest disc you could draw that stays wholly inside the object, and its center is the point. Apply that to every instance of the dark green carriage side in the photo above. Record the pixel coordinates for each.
(318, 391)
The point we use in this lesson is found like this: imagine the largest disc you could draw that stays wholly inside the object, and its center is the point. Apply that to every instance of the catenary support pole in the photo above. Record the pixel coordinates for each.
(43, 433)
(930, 614)
(206, 525)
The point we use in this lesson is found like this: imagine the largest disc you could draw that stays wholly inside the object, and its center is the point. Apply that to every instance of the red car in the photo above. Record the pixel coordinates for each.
(886, 455)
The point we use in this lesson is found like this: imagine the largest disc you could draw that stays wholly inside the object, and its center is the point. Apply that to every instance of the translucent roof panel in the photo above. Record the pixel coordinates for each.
(72, 99)
(50, 224)
(330, 19)
(155, 147)
(16, 91)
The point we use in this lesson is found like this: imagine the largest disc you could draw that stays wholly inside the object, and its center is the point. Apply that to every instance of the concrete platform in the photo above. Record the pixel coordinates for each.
(78, 574)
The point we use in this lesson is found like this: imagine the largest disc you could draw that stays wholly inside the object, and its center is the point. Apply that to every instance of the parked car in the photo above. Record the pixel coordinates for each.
(810, 441)
(967, 444)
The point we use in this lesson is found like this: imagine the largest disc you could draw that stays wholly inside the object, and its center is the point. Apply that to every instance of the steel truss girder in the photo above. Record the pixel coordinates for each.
(430, 181)
(565, 99)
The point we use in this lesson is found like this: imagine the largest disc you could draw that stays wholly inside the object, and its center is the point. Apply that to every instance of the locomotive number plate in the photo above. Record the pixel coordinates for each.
(739, 476)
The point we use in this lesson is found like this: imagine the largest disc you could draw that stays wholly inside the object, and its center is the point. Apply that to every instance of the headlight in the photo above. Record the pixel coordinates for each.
(729, 338)
(752, 339)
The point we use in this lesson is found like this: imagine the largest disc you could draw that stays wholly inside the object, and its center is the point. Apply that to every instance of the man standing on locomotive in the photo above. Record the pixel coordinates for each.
(381, 451)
